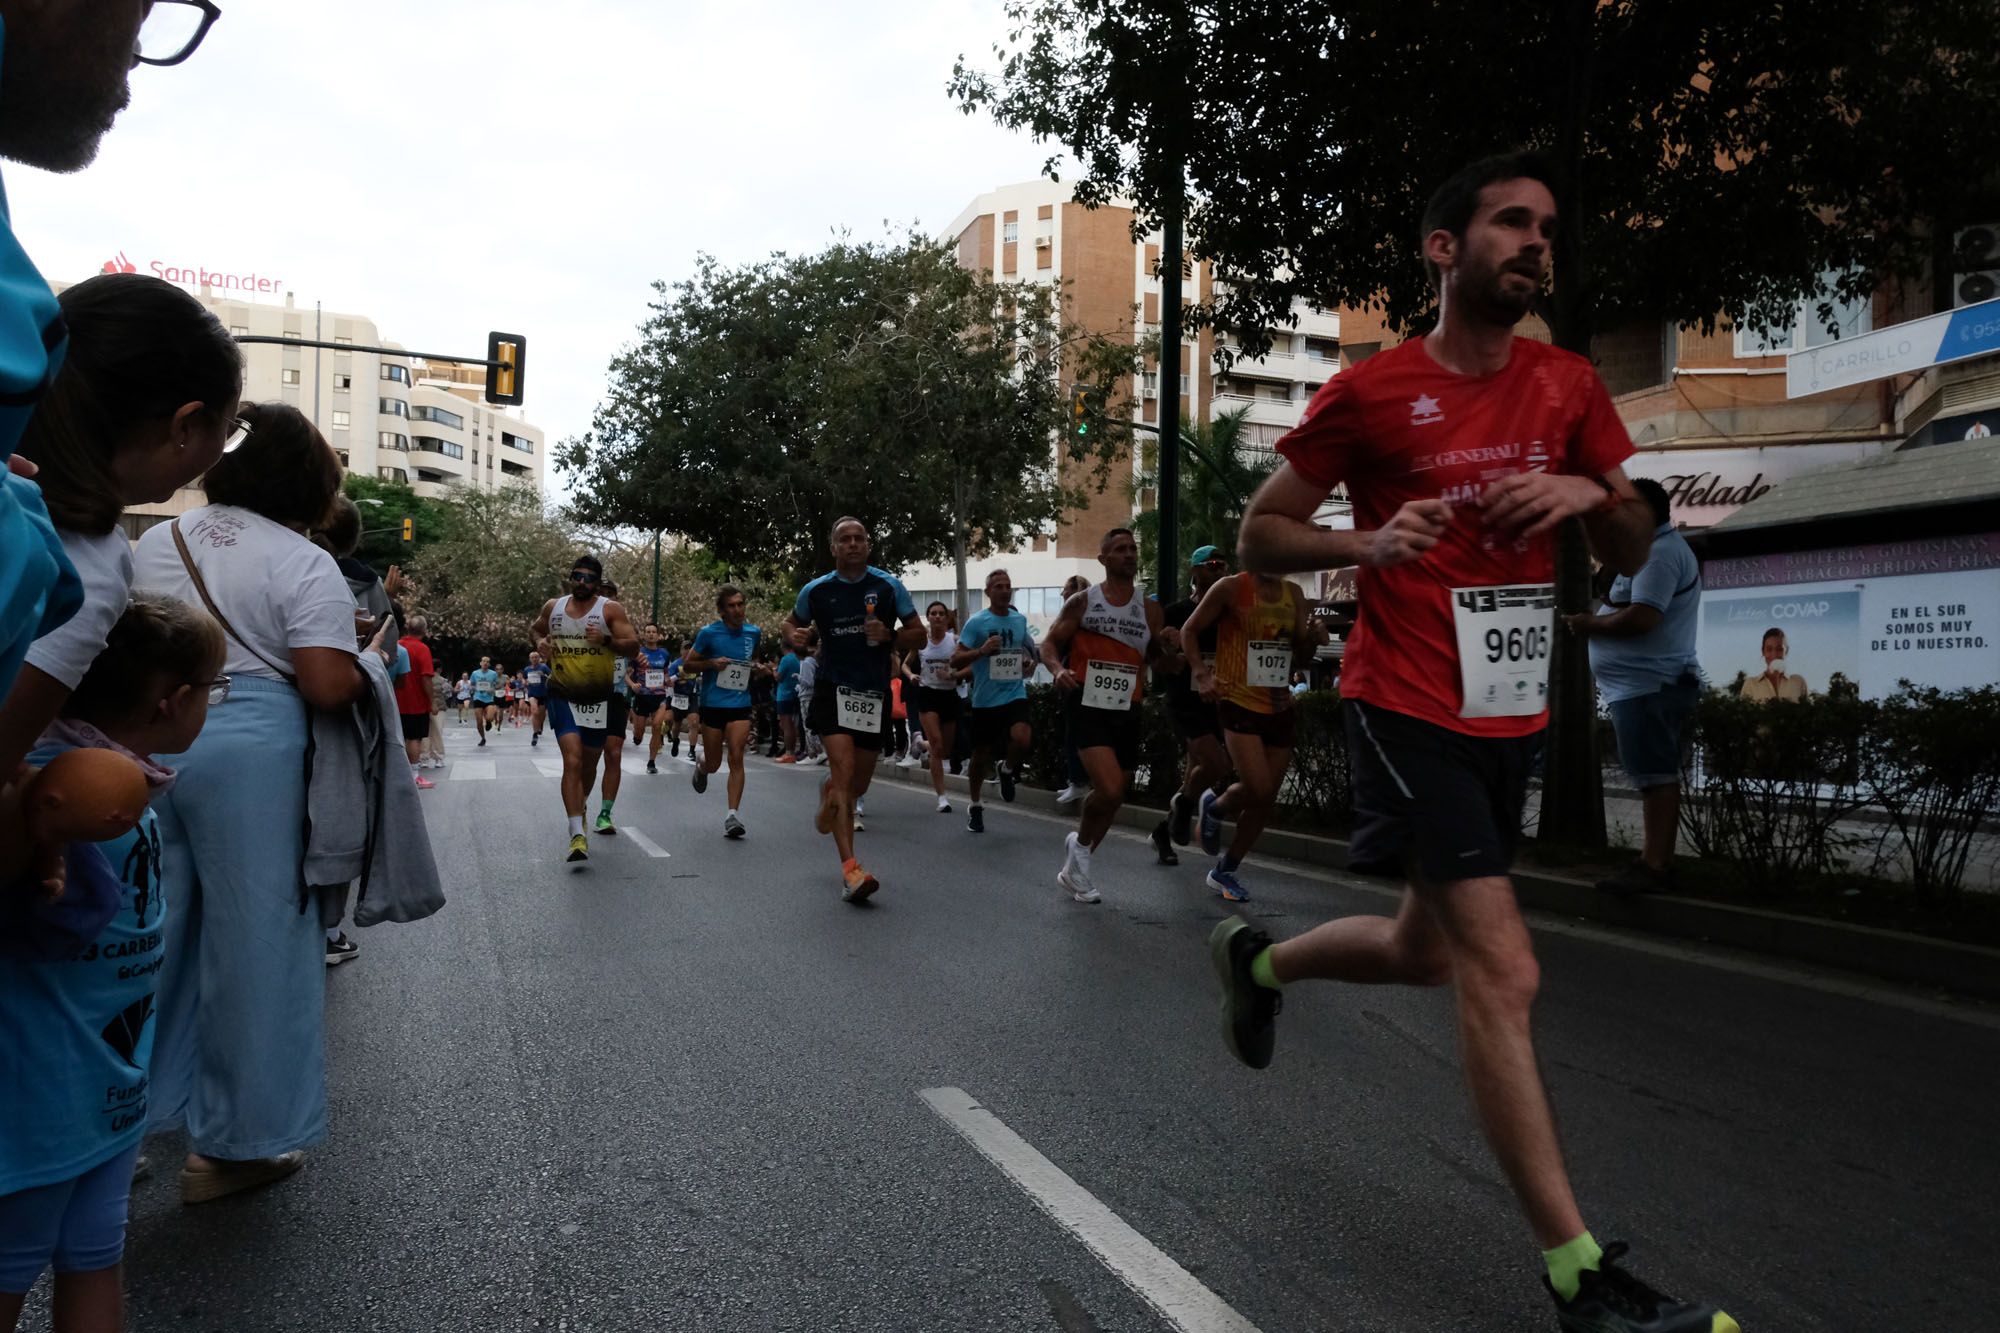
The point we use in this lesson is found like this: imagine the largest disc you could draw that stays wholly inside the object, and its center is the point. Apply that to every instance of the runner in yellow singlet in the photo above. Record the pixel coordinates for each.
(1262, 628)
(582, 635)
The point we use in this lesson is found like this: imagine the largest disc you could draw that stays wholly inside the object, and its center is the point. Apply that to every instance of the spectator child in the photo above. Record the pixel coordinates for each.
(76, 1034)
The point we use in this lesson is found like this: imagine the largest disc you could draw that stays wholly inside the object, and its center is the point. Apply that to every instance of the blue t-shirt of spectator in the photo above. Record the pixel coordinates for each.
(76, 1033)
(788, 677)
(1670, 583)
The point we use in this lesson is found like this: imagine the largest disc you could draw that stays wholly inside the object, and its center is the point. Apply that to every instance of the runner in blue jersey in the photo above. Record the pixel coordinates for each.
(790, 751)
(683, 703)
(536, 673)
(485, 698)
(857, 610)
(725, 653)
(1000, 648)
(648, 679)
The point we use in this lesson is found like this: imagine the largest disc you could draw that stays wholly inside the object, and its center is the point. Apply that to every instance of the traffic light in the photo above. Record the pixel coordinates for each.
(409, 529)
(507, 358)
(1079, 410)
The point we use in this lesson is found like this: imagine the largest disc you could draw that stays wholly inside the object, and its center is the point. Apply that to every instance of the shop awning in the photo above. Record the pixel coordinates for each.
(1947, 488)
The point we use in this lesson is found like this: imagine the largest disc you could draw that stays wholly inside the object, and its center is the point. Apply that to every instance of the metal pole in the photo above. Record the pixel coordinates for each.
(316, 333)
(958, 532)
(656, 576)
(1170, 393)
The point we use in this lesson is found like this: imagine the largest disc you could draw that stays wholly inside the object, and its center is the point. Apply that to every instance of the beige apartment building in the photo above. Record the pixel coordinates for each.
(1034, 232)
(394, 416)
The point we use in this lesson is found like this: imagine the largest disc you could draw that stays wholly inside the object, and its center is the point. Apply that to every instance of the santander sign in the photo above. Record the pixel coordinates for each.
(196, 277)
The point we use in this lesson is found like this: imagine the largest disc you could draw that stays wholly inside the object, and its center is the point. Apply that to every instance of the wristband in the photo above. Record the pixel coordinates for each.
(1612, 499)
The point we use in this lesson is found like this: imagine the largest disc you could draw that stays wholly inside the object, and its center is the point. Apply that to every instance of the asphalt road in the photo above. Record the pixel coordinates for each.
(683, 1092)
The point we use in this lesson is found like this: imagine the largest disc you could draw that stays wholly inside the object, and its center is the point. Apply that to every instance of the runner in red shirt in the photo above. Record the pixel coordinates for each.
(1463, 451)
(413, 697)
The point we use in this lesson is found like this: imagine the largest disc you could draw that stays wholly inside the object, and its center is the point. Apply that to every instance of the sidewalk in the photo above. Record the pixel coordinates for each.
(1890, 955)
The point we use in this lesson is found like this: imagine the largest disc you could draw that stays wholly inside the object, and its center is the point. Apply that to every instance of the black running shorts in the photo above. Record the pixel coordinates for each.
(990, 726)
(1091, 728)
(1434, 800)
(823, 719)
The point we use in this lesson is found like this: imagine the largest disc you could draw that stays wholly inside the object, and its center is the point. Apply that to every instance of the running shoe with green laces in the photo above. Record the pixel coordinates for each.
(1611, 1300)
(604, 822)
(1248, 1009)
(579, 847)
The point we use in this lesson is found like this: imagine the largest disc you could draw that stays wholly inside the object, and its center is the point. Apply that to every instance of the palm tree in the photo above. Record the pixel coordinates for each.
(1219, 471)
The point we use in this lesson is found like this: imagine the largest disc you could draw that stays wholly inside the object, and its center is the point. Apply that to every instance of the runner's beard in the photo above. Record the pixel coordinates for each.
(1495, 301)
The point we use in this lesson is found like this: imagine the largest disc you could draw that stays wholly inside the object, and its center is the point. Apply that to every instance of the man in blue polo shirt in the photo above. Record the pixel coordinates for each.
(1642, 653)
(857, 610)
(999, 647)
(725, 653)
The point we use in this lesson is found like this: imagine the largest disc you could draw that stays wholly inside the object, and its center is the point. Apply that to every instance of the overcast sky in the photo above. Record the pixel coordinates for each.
(446, 167)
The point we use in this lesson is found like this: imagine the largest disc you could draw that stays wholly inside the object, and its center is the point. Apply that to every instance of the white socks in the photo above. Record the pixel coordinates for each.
(575, 825)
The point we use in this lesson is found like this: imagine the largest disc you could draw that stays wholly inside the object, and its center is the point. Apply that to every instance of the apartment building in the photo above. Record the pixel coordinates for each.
(392, 416)
(1034, 232)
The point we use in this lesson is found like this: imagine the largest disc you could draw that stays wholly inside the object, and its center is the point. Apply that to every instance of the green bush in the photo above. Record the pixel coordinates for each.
(1933, 765)
(1322, 780)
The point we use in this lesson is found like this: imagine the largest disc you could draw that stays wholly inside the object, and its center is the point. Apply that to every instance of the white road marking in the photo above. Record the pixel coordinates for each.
(1163, 1284)
(653, 849)
(472, 770)
(550, 768)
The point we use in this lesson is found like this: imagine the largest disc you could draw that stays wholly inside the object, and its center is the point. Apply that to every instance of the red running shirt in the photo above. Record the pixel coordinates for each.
(413, 690)
(1400, 427)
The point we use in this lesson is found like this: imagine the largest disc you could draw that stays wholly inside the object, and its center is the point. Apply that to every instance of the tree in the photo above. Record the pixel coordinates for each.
(763, 402)
(384, 506)
(484, 580)
(1714, 158)
(1219, 471)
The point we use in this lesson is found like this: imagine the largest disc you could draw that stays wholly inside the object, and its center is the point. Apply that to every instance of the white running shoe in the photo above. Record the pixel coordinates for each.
(1075, 874)
(944, 805)
(906, 760)
(1071, 794)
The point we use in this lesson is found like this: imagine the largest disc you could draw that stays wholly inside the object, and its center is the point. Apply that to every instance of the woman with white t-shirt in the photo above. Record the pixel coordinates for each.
(238, 1057)
(144, 403)
(937, 695)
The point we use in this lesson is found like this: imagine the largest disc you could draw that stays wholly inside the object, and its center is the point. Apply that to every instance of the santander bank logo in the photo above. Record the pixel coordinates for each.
(216, 279)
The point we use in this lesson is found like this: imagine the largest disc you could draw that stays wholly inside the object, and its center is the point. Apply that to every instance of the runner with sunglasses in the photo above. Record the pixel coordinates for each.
(582, 635)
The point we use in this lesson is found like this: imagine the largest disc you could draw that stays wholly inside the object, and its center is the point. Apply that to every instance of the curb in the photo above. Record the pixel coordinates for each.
(1889, 955)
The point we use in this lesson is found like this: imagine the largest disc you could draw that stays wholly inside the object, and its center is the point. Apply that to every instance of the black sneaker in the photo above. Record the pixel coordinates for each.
(1611, 1300)
(534, 740)
(1164, 845)
(700, 778)
(1635, 879)
(341, 950)
(975, 819)
(1006, 772)
(1247, 1008)
(674, 750)
(1180, 819)
(652, 767)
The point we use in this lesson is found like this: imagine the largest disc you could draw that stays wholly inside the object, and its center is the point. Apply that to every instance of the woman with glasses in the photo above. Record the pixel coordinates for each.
(144, 403)
(239, 1056)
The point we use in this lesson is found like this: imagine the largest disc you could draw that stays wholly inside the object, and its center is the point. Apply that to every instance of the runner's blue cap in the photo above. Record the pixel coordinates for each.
(1202, 555)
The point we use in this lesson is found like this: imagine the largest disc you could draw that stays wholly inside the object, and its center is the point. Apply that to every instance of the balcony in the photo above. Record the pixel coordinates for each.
(1263, 411)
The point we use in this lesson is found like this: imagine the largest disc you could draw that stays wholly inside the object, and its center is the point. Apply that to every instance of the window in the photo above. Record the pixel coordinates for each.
(397, 374)
(238, 329)
(475, 458)
(393, 474)
(516, 442)
(342, 383)
(289, 376)
(342, 351)
(1010, 231)
(340, 421)
(1807, 328)
(434, 445)
(341, 454)
(391, 440)
(439, 415)
(395, 407)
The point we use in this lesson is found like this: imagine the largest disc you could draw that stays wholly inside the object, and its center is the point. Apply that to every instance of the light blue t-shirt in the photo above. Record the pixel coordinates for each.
(402, 667)
(788, 677)
(76, 1035)
(1012, 630)
(485, 684)
(716, 640)
(1670, 583)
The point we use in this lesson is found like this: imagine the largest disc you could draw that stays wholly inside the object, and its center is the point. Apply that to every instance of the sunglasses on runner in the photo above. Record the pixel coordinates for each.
(584, 576)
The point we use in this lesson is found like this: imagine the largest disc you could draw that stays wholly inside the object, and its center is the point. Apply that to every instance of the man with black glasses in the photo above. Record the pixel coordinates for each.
(583, 635)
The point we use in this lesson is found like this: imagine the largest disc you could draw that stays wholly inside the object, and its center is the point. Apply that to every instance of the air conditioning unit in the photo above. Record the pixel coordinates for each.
(1975, 261)
(1044, 242)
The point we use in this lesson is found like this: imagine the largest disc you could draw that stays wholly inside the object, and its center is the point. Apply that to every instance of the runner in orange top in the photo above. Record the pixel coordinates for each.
(1262, 629)
(1097, 651)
